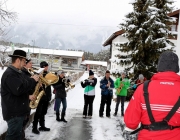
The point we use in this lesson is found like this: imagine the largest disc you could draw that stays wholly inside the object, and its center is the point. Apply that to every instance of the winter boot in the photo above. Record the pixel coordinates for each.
(115, 114)
(35, 130)
(42, 124)
(62, 117)
(122, 114)
(44, 128)
(57, 117)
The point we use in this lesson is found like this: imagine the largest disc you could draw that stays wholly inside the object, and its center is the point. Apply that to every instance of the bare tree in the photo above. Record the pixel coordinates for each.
(6, 17)
(4, 59)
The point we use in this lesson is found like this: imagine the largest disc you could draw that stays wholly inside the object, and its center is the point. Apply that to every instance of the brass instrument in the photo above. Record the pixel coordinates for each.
(119, 88)
(67, 84)
(49, 79)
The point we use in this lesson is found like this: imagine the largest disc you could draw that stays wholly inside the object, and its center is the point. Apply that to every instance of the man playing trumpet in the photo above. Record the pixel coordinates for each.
(121, 85)
(60, 96)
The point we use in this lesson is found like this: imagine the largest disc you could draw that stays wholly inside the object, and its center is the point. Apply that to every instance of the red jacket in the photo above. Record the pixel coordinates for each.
(164, 91)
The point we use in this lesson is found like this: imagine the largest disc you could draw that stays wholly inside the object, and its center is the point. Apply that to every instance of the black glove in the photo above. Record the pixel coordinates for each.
(68, 80)
(83, 84)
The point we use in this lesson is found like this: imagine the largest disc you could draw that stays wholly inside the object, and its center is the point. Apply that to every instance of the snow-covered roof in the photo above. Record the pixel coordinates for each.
(90, 62)
(113, 36)
(52, 51)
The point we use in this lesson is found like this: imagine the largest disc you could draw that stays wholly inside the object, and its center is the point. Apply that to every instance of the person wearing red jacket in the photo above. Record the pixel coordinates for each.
(156, 106)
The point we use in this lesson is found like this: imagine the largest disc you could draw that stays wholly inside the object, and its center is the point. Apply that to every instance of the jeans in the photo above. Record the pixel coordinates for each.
(122, 100)
(88, 102)
(15, 128)
(58, 104)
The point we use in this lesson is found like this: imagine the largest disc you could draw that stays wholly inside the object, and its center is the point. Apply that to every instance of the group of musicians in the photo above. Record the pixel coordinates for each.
(17, 88)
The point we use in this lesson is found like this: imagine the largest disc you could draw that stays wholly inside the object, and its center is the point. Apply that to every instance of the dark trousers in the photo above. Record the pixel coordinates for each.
(105, 99)
(122, 100)
(40, 113)
(88, 105)
(15, 128)
(58, 102)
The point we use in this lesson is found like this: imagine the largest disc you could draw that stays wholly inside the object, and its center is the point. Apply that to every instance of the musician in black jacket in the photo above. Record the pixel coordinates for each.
(43, 105)
(14, 95)
(31, 97)
(60, 96)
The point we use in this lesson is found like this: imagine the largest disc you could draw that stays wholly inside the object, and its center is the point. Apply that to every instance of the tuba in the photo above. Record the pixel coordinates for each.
(49, 79)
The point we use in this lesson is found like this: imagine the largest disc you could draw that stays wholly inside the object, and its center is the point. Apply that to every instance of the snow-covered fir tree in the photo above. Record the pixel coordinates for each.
(147, 29)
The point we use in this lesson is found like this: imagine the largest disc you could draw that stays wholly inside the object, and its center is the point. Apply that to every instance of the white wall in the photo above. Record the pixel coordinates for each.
(118, 39)
(178, 41)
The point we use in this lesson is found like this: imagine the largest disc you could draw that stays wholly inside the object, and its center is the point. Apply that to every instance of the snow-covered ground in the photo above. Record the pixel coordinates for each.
(102, 128)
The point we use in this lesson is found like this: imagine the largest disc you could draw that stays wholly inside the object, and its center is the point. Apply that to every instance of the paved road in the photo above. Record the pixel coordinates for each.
(78, 129)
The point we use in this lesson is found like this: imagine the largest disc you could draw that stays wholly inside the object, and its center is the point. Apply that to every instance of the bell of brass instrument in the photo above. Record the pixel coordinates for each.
(71, 85)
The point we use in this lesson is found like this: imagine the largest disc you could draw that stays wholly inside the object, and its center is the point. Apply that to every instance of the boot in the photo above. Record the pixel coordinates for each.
(62, 117)
(122, 113)
(115, 114)
(35, 130)
(44, 128)
(57, 117)
(42, 124)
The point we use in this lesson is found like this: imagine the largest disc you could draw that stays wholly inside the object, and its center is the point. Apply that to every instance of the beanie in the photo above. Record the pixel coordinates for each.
(168, 61)
(141, 77)
(43, 64)
(91, 72)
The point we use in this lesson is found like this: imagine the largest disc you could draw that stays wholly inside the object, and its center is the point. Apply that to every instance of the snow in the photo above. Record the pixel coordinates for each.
(49, 51)
(102, 128)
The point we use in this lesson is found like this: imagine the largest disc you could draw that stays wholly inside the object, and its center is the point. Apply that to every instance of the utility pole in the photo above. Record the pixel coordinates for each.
(33, 45)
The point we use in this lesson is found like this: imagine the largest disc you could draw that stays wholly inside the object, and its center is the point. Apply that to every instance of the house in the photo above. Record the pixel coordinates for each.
(96, 66)
(112, 40)
(118, 38)
(174, 27)
(70, 60)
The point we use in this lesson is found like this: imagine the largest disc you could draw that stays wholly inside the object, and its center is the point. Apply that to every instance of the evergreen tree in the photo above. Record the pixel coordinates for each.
(147, 29)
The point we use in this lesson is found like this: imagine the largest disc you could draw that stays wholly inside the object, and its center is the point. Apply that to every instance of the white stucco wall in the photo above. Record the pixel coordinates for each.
(118, 39)
(178, 41)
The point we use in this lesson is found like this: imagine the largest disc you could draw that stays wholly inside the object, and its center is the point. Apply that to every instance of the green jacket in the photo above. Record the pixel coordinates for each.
(126, 83)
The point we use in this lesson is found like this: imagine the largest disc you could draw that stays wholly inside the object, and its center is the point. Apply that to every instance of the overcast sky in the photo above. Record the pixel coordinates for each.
(79, 16)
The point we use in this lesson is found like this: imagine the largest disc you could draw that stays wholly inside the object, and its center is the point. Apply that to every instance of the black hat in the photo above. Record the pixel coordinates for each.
(43, 64)
(19, 53)
(168, 61)
(28, 60)
(91, 72)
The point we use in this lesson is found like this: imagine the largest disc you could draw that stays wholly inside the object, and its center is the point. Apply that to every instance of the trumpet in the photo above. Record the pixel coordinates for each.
(68, 83)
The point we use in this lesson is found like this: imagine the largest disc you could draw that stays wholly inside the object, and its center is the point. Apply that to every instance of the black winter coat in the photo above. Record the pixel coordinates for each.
(14, 93)
(48, 93)
(60, 89)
